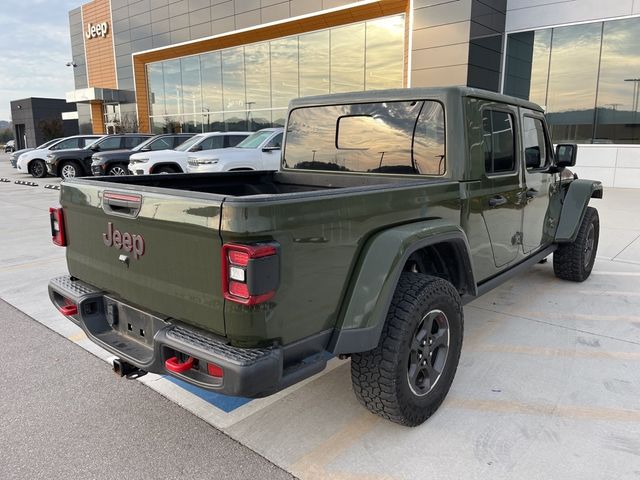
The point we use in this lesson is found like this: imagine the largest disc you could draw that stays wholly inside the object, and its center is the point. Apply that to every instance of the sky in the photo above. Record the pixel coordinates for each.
(34, 35)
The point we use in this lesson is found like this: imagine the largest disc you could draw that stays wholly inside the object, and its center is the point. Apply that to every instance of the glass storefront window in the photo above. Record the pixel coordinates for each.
(191, 87)
(284, 71)
(573, 73)
(249, 87)
(172, 87)
(258, 84)
(314, 63)
(385, 68)
(156, 89)
(347, 58)
(618, 119)
(211, 74)
(233, 80)
(568, 69)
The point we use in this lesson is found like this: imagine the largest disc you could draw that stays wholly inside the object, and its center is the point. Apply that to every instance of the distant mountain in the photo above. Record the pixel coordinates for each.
(4, 124)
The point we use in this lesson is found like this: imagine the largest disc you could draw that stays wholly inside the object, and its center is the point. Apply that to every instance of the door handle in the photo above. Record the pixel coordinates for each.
(531, 193)
(497, 201)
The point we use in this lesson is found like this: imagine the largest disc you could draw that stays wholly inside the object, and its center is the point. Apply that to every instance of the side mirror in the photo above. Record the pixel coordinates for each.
(197, 148)
(95, 148)
(566, 154)
(270, 149)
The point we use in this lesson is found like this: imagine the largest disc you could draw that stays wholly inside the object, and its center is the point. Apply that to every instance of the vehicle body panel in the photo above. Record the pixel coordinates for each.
(262, 157)
(144, 163)
(167, 278)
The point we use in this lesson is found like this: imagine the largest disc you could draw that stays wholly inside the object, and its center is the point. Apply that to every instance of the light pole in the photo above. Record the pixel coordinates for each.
(636, 94)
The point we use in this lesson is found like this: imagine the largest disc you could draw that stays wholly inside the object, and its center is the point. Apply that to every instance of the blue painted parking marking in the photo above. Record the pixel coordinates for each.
(223, 402)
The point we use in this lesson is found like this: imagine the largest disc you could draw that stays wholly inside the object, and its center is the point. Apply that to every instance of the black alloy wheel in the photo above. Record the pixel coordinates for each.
(38, 169)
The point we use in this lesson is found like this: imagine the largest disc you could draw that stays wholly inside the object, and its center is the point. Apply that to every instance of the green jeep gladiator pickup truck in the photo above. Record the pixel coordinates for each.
(391, 210)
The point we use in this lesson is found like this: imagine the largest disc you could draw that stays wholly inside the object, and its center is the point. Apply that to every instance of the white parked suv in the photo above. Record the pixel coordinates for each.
(33, 162)
(260, 151)
(175, 161)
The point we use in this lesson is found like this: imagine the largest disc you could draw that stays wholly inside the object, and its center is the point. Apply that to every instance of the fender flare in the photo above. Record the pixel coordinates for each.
(574, 207)
(376, 276)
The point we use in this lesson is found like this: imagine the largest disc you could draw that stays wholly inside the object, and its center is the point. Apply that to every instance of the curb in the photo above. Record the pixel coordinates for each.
(49, 186)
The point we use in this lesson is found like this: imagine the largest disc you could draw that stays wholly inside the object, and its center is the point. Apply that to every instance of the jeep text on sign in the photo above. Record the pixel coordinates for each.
(97, 30)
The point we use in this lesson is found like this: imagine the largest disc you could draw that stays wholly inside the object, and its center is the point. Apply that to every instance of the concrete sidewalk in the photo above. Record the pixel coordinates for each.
(548, 385)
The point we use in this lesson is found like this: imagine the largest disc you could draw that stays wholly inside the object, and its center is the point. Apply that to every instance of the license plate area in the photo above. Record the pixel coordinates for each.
(129, 321)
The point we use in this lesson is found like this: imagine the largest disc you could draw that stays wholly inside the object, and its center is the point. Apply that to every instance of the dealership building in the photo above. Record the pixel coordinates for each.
(208, 65)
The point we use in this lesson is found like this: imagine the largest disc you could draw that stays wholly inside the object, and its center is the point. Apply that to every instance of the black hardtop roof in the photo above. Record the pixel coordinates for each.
(403, 94)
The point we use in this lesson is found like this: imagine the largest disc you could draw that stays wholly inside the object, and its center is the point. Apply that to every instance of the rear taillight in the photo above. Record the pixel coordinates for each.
(57, 227)
(250, 273)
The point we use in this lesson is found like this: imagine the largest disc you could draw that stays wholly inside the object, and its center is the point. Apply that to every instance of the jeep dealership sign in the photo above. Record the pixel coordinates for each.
(97, 30)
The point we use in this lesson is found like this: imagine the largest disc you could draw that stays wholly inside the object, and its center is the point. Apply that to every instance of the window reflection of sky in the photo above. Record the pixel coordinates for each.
(250, 86)
(573, 67)
(368, 137)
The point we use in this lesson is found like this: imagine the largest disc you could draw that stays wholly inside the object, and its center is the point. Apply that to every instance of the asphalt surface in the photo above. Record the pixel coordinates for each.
(64, 414)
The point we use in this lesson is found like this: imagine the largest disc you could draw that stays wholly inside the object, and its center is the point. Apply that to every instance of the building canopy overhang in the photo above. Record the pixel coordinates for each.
(100, 95)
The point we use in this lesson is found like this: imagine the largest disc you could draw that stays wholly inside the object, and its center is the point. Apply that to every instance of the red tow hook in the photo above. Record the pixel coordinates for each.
(68, 310)
(174, 365)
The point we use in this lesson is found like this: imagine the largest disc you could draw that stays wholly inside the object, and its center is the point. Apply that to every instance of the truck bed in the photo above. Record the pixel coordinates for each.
(251, 184)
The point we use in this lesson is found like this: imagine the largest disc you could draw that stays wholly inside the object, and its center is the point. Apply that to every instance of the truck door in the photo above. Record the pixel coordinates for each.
(501, 183)
(537, 227)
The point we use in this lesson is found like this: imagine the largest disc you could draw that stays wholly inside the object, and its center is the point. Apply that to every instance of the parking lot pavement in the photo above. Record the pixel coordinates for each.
(64, 415)
(548, 385)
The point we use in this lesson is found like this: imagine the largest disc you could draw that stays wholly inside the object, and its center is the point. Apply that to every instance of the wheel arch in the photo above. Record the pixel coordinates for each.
(62, 161)
(574, 207)
(376, 275)
(176, 166)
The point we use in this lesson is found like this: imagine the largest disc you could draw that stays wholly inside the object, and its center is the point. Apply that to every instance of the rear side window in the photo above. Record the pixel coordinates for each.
(68, 143)
(179, 141)
(233, 140)
(162, 143)
(386, 137)
(212, 142)
(536, 152)
(130, 142)
(86, 141)
(498, 141)
(110, 143)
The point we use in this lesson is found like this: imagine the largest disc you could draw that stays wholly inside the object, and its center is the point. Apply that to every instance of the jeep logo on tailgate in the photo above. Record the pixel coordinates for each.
(131, 243)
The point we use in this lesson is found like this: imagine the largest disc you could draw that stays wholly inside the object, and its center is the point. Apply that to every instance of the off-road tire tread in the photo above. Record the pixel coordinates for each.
(373, 372)
(567, 259)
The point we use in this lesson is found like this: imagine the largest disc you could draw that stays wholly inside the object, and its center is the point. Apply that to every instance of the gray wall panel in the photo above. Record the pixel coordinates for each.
(534, 14)
(279, 11)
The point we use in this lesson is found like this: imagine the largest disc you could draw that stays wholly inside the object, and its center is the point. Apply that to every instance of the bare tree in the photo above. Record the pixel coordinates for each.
(129, 123)
(51, 129)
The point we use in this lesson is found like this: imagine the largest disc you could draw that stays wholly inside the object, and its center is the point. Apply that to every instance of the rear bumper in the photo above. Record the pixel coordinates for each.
(147, 341)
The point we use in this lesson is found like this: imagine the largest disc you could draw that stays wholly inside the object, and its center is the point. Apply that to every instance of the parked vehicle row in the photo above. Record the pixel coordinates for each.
(143, 154)
(34, 161)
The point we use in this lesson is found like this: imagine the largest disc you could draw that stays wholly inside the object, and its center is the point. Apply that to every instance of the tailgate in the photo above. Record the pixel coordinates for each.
(159, 252)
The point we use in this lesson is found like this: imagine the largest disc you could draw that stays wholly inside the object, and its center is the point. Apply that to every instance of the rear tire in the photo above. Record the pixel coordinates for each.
(38, 169)
(574, 261)
(407, 376)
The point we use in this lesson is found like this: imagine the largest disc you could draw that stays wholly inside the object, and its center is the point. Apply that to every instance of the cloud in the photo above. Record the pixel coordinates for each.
(35, 36)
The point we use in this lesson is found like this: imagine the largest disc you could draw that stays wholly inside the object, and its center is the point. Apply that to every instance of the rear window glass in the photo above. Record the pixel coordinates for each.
(387, 137)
